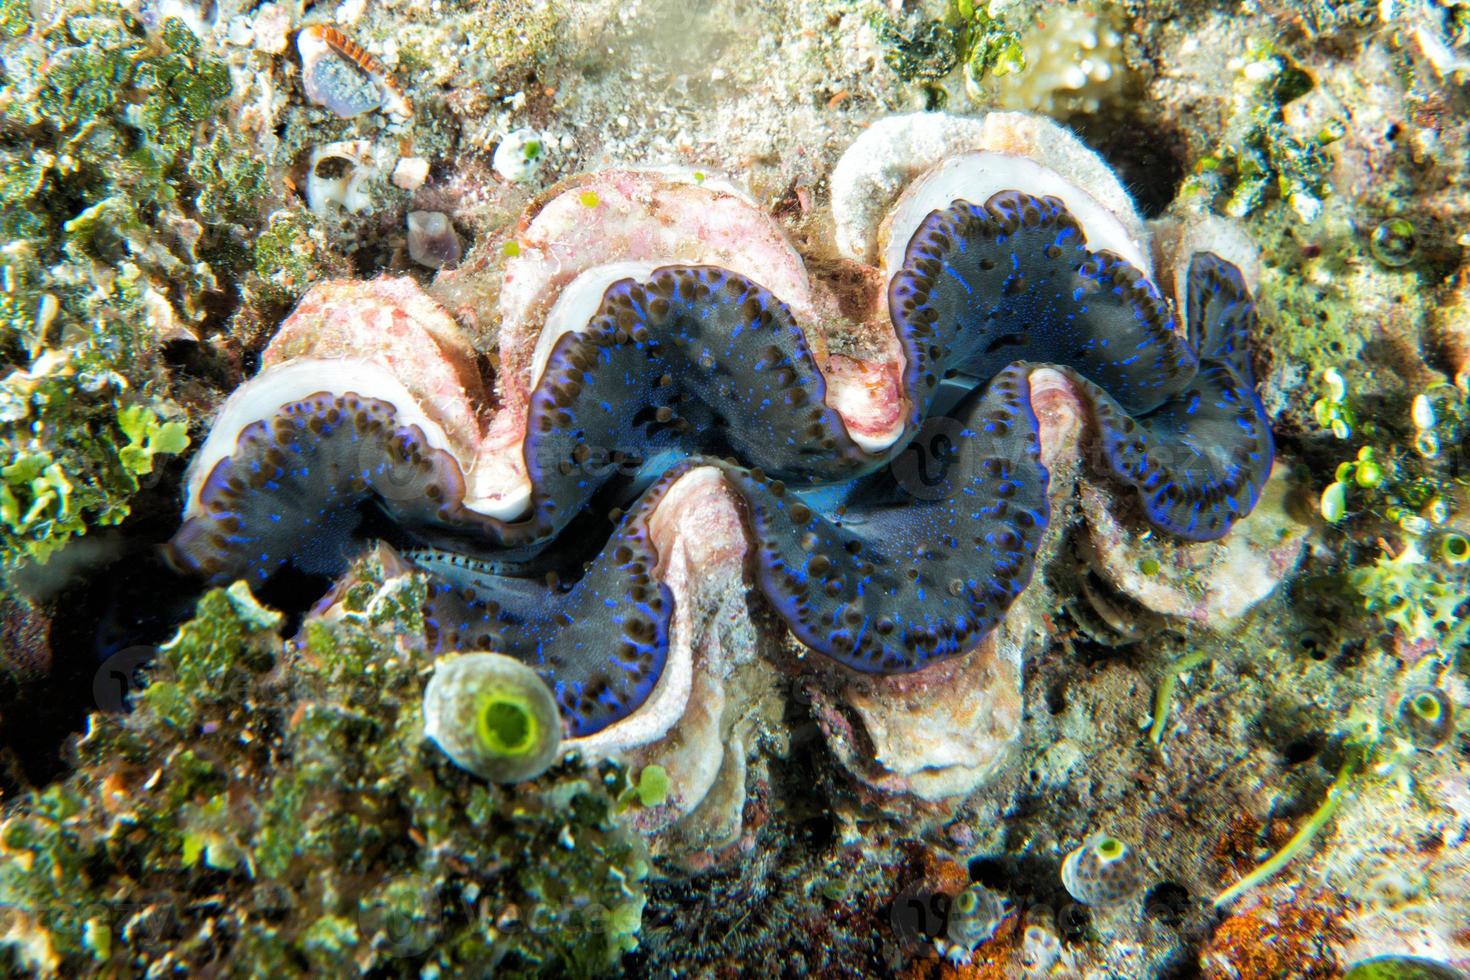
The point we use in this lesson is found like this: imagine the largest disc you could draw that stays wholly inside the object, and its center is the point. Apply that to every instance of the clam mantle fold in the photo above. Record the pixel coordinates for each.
(658, 328)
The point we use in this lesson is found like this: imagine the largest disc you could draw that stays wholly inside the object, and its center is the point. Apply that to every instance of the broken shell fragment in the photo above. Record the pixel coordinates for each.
(340, 174)
(338, 74)
(410, 173)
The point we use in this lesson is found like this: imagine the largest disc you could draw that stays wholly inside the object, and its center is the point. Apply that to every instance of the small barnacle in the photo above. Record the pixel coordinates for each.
(1393, 243)
(337, 73)
(492, 715)
(1103, 872)
(1427, 717)
(973, 917)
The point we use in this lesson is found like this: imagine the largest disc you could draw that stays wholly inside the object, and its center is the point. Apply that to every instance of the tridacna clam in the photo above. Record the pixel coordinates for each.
(893, 503)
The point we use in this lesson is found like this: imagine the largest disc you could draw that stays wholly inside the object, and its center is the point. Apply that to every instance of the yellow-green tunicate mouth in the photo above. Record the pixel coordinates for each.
(1426, 707)
(506, 725)
(492, 715)
(1109, 848)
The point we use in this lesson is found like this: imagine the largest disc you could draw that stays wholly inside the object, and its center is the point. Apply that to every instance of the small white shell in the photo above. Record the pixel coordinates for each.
(342, 173)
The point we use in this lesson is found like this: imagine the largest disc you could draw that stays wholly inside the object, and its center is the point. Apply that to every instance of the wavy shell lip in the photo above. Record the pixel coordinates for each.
(389, 340)
(576, 304)
(639, 220)
(894, 152)
(1177, 240)
(696, 529)
(975, 177)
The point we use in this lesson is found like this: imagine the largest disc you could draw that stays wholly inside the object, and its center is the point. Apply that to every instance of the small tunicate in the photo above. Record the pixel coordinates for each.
(1393, 242)
(1427, 717)
(1103, 872)
(431, 239)
(492, 715)
(519, 155)
(973, 917)
(1454, 548)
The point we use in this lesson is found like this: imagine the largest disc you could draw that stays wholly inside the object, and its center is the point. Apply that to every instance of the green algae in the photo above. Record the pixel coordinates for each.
(1266, 161)
(71, 462)
(110, 239)
(987, 45)
(1402, 968)
(274, 803)
(290, 253)
(1400, 478)
(653, 786)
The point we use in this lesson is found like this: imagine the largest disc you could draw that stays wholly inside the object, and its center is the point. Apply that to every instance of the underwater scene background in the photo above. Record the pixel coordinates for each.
(845, 488)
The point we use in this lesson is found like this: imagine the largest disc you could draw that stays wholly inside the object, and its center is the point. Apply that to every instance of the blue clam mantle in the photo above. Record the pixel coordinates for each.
(884, 560)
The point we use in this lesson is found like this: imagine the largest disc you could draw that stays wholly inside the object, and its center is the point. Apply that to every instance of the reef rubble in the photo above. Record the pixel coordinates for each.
(212, 211)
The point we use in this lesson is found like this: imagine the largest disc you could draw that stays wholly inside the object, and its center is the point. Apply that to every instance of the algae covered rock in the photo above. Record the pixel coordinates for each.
(274, 802)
